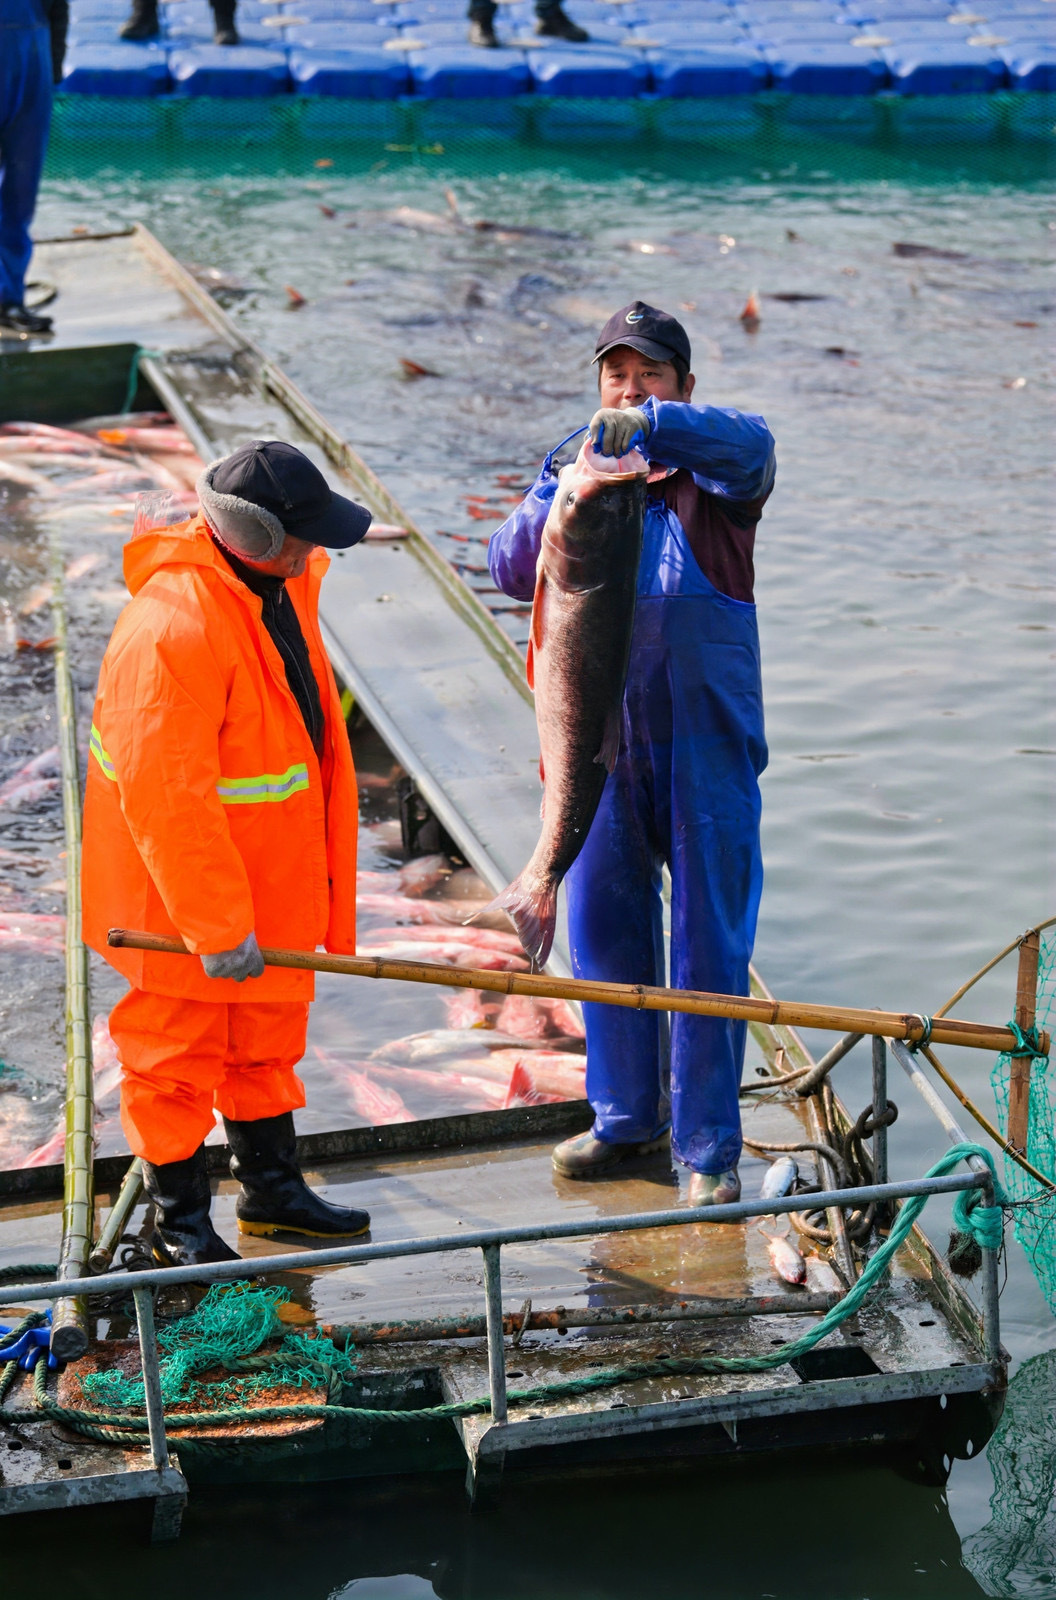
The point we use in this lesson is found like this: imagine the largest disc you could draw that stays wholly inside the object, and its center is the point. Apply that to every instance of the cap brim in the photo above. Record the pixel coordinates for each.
(645, 347)
(341, 525)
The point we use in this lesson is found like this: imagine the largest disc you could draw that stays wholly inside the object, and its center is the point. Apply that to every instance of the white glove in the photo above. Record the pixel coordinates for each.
(244, 961)
(613, 432)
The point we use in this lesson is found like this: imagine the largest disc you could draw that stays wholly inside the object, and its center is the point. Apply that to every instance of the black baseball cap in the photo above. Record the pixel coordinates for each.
(282, 480)
(651, 332)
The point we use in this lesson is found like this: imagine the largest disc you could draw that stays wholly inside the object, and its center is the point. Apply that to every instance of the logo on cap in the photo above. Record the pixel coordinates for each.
(634, 316)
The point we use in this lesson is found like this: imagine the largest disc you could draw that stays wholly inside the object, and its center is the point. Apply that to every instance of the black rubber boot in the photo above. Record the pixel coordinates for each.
(143, 23)
(555, 25)
(483, 34)
(275, 1197)
(19, 320)
(225, 31)
(183, 1234)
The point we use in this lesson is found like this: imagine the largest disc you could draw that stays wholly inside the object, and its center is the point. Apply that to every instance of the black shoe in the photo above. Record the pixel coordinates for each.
(20, 320)
(275, 1197)
(183, 1234)
(555, 25)
(483, 34)
(225, 31)
(143, 23)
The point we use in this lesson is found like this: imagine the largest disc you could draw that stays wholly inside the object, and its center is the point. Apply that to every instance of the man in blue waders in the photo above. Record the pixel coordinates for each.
(32, 45)
(685, 787)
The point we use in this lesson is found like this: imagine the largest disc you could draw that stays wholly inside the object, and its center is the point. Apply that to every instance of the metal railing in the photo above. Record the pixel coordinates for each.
(491, 1242)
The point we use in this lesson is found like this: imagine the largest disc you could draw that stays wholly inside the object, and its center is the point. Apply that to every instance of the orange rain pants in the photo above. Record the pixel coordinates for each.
(182, 1057)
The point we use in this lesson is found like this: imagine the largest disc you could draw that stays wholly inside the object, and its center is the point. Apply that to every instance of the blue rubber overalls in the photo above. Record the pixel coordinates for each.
(25, 116)
(684, 791)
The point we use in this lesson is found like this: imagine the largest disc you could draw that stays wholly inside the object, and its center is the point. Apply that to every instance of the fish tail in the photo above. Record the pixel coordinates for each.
(532, 908)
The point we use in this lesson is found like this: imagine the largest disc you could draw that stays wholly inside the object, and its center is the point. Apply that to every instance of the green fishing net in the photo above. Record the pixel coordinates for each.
(1035, 1207)
(228, 1329)
(1015, 1553)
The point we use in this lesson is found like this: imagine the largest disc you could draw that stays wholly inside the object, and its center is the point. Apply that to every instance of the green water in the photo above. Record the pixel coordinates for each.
(905, 589)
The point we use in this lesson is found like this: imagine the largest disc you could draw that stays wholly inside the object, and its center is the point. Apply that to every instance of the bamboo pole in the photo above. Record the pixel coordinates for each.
(69, 1332)
(908, 1026)
(1026, 1010)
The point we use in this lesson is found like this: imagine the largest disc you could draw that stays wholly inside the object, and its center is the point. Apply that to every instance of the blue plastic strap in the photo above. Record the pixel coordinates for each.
(548, 464)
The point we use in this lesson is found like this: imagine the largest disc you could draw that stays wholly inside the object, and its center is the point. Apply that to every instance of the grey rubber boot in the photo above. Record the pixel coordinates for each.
(587, 1157)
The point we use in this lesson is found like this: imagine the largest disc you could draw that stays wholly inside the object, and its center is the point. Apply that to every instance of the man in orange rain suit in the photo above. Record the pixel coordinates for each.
(221, 808)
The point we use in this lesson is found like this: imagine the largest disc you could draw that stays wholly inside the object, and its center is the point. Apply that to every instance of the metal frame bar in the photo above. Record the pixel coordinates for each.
(990, 1288)
(342, 1255)
(148, 1355)
(879, 1108)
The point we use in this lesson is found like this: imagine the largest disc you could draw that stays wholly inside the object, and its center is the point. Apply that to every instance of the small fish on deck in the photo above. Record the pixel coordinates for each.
(785, 1258)
(779, 1180)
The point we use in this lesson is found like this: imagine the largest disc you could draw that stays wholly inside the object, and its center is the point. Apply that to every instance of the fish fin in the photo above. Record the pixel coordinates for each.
(610, 745)
(535, 634)
(533, 913)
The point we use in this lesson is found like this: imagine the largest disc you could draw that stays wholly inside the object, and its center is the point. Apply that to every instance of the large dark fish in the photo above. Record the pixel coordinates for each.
(577, 664)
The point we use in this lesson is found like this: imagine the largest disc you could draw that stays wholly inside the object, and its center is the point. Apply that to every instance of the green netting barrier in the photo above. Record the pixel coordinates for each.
(1015, 1553)
(1035, 1207)
(799, 139)
(227, 1330)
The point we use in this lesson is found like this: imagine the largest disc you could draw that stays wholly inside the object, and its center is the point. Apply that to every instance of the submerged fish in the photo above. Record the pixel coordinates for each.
(530, 1017)
(438, 1043)
(46, 765)
(477, 938)
(544, 1075)
(469, 1008)
(403, 908)
(578, 652)
(474, 1092)
(780, 1179)
(372, 1101)
(417, 877)
(448, 955)
(30, 792)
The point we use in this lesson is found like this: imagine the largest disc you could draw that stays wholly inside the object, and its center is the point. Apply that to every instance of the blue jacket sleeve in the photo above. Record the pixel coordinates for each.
(513, 549)
(730, 453)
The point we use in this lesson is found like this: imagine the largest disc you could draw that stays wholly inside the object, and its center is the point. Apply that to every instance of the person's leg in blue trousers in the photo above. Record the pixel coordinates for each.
(616, 934)
(25, 116)
(717, 751)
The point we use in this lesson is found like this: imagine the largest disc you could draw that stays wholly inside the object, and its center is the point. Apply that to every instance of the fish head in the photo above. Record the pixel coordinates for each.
(595, 520)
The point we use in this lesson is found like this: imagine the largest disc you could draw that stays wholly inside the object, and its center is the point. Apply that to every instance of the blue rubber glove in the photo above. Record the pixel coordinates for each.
(614, 432)
(28, 1350)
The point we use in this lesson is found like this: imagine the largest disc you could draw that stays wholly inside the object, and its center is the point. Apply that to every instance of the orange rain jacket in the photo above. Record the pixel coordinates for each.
(207, 813)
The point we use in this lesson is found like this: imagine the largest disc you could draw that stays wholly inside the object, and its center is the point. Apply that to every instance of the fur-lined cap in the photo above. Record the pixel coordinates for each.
(266, 489)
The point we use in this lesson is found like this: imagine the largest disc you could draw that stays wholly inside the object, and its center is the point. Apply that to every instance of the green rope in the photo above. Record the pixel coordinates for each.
(24, 1270)
(981, 1222)
(1028, 1042)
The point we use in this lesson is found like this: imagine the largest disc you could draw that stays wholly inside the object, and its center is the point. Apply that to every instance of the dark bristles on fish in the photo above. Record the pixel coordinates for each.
(578, 652)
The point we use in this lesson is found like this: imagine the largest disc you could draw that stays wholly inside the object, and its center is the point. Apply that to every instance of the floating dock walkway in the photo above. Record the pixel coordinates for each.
(673, 49)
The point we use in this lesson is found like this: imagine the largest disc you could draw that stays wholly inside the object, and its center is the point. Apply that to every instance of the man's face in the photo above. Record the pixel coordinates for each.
(290, 561)
(628, 378)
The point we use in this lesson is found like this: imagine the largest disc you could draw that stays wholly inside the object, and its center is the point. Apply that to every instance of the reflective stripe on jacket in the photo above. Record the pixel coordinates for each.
(207, 812)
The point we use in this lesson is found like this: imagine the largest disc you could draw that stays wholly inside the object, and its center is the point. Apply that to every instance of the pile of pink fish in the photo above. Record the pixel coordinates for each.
(145, 451)
(497, 1051)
